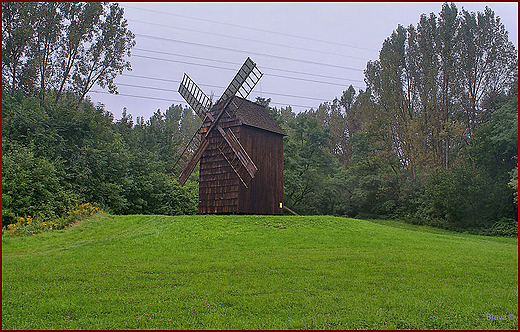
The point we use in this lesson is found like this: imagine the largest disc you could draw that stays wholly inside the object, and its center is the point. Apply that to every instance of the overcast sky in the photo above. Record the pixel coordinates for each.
(309, 52)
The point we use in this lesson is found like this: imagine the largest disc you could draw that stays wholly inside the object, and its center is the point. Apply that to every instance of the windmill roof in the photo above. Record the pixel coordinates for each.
(255, 115)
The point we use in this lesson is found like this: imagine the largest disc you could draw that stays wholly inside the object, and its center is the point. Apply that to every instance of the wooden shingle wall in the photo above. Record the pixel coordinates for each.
(218, 184)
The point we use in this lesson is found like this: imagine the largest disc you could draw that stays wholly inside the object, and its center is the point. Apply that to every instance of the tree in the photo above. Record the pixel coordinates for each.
(447, 50)
(42, 48)
(488, 63)
(104, 59)
(352, 121)
(17, 31)
(436, 99)
(83, 19)
(307, 162)
(63, 47)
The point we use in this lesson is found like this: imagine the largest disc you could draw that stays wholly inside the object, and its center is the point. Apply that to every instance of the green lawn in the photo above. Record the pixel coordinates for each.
(257, 272)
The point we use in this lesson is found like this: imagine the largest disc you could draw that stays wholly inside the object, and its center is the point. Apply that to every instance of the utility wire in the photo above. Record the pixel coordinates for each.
(234, 69)
(182, 101)
(144, 87)
(166, 80)
(253, 40)
(136, 96)
(250, 28)
(202, 84)
(217, 96)
(247, 52)
(313, 81)
(239, 64)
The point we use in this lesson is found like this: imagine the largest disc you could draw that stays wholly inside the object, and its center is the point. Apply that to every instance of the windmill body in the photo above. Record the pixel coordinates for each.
(239, 147)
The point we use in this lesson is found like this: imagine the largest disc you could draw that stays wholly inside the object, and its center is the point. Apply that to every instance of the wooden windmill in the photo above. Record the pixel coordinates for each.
(239, 146)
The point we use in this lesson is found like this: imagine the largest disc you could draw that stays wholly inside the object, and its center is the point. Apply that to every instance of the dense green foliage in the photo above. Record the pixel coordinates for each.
(56, 155)
(433, 139)
(58, 149)
(257, 272)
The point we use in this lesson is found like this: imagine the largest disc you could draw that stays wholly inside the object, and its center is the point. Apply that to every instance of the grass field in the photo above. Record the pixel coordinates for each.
(257, 272)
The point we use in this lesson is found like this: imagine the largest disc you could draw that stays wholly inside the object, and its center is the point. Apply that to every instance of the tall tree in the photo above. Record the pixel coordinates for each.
(43, 46)
(17, 31)
(104, 59)
(82, 21)
(352, 121)
(447, 50)
(488, 63)
(431, 82)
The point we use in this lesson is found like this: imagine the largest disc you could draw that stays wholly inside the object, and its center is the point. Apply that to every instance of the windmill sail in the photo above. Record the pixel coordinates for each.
(182, 168)
(194, 96)
(235, 155)
(192, 162)
(243, 82)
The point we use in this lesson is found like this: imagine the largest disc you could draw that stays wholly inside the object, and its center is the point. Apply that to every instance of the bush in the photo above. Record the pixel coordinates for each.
(28, 225)
(31, 186)
(463, 197)
(505, 227)
(159, 193)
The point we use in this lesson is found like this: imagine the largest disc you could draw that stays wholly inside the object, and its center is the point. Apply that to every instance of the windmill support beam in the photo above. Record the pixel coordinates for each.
(239, 150)
(232, 166)
(190, 166)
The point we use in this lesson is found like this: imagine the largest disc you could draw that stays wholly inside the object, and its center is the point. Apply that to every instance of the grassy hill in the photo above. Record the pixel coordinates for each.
(246, 272)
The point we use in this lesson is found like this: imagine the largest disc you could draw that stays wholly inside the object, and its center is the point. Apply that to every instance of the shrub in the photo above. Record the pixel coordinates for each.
(28, 225)
(159, 193)
(462, 196)
(31, 186)
(505, 227)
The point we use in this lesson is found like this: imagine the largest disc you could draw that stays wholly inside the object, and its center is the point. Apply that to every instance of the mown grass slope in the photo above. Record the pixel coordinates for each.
(257, 272)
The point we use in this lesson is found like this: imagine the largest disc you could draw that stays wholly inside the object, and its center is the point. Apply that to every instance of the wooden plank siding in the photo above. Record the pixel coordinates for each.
(265, 192)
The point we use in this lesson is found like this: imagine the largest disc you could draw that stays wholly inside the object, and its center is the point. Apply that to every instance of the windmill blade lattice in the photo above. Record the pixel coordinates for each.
(244, 81)
(194, 96)
(189, 150)
(201, 104)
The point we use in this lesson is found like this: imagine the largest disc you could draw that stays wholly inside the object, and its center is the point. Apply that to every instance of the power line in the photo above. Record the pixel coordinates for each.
(238, 64)
(313, 81)
(156, 78)
(182, 101)
(136, 96)
(202, 84)
(217, 96)
(249, 40)
(167, 80)
(251, 28)
(145, 87)
(179, 61)
(234, 69)
(247, 52)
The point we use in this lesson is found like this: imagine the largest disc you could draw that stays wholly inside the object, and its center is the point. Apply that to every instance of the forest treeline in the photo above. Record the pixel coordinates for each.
(432, 139)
